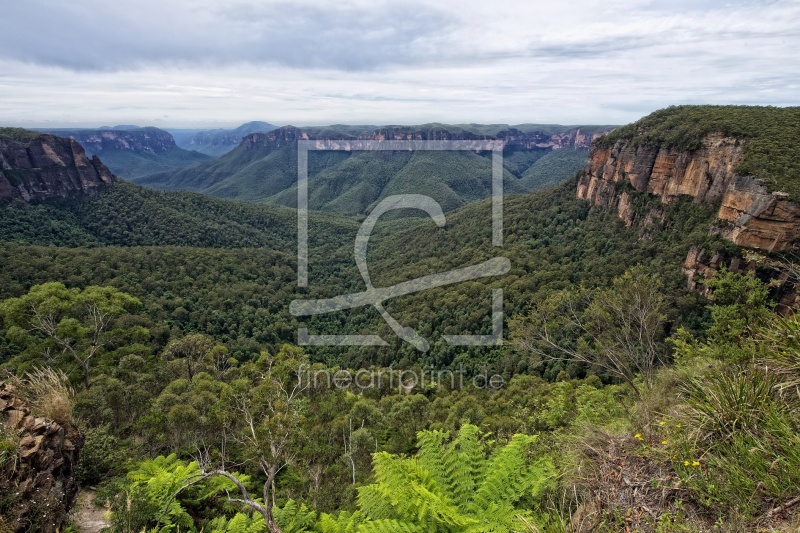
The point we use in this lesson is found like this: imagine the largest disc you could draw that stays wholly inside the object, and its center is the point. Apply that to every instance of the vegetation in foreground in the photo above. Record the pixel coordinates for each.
(627, 402)
(195, 440)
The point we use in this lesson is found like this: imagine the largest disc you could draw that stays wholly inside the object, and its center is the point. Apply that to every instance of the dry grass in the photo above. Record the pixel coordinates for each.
(625, 488)
(4, 526)
(48, 394)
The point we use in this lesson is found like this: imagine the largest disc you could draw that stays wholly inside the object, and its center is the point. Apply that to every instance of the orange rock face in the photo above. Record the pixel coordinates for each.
(758, 218)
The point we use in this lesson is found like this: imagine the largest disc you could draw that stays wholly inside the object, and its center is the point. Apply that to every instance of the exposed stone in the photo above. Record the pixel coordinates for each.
(41, 480)
(150, 140)
(625, 208)
(756, 217)
(49, 167)
(761, 219)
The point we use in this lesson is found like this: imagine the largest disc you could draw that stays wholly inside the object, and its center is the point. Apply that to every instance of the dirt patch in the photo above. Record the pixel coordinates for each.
(86, 516)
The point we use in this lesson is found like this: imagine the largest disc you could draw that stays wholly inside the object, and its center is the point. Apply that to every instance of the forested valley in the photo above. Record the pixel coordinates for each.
(158, 324)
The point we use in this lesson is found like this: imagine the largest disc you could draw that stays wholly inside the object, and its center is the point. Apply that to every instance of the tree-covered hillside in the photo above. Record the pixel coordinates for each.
(129, 215)
(132, 152)
(553, 240)
(265, 171)
(159, 324)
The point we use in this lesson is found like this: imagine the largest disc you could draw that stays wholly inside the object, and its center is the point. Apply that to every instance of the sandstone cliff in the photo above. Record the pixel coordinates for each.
(514, 139)
(749, 214)
(48, 167)
(140, 140)
(37, 480)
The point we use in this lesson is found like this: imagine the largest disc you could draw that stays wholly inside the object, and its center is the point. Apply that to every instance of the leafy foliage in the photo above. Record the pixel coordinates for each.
(128, 215)
(619, 329)
(454, 487)
(71, 323)
(553, 168)
(240, 296)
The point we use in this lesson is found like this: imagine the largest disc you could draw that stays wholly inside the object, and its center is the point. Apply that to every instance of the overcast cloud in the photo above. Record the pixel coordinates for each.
(203, 63)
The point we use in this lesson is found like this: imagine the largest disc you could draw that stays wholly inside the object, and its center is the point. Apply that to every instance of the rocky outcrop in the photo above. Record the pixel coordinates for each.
(37, 483)
(701, 265)
(759, 218)
(750, 215)
(49, 167)
(140, 140)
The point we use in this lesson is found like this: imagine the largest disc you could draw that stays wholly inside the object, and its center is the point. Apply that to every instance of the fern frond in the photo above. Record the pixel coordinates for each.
(294, 518)
(507, 475)
(389, 526)
(344, 522)
(240, 523)
(466, 463)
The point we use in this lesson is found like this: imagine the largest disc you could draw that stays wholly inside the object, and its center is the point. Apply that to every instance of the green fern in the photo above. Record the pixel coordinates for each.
(165, 485)
(344, 522)
(294, 518)
(240, 523)
(453, 487)
(390, 526)
(158, 481)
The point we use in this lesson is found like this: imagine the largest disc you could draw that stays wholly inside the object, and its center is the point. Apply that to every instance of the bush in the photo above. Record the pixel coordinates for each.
(745, 439)
(100, 457)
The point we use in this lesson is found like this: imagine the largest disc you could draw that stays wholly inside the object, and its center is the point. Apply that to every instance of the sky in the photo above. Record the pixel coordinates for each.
(219, 63)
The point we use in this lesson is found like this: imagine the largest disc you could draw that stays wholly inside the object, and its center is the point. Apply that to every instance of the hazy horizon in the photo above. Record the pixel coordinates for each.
(220, 63)
(232, 125)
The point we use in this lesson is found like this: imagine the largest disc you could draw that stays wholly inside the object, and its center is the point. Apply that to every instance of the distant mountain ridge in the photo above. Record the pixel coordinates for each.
(135, 138)
(219, 141)
(569, 137)
(134, 152)
(263, 168)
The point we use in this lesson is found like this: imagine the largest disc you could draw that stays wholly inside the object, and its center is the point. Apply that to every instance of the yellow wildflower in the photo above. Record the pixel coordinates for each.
(664, 442)
(662, 423)
(686, 463)
(696, 463)
(638, 436)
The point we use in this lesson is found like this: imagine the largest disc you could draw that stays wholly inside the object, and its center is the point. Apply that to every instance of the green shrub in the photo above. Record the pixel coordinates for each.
(746, 441)
(100, 457)
(19, 135)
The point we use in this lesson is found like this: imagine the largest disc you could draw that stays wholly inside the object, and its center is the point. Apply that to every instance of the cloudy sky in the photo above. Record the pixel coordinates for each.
(199, 63)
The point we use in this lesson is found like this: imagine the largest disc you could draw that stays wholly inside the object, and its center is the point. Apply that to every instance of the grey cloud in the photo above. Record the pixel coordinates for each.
(385, 61)
(106, 36)
(702, 5)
